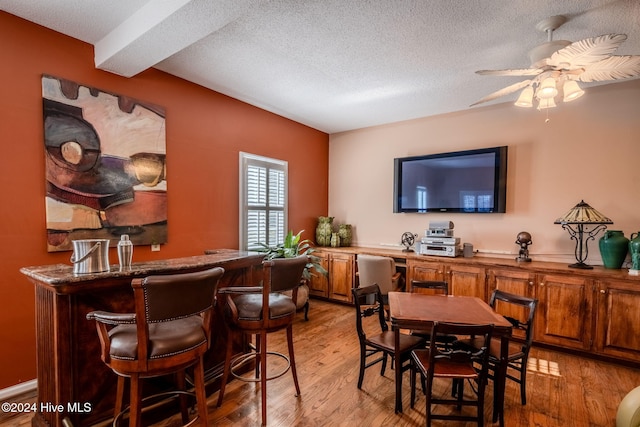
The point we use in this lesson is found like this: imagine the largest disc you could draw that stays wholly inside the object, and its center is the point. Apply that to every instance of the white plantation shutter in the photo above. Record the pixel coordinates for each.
(263, 201)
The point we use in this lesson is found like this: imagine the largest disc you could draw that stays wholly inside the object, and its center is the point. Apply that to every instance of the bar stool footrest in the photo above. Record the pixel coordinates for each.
(248, 357)
(174, 394)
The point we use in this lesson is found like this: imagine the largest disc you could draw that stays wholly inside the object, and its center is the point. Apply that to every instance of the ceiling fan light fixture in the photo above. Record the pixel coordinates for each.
(525, 99)
(546, 103)
(571, 90)
(547, 89)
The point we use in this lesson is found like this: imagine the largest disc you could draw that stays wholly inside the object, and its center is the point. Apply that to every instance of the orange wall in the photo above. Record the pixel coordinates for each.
(205, 132)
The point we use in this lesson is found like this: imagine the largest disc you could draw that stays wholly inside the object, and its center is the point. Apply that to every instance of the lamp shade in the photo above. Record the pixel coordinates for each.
(571, 91)
(547, 88)
(582, 213)
(546, 103)
(525, 99)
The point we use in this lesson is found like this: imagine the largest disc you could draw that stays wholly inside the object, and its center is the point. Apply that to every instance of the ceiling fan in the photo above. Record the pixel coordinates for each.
(558, 65)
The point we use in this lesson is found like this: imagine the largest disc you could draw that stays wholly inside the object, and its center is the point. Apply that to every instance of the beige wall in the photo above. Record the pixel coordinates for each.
(589, 149)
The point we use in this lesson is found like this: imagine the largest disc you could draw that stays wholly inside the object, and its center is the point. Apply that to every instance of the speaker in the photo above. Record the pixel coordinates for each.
(441, 225)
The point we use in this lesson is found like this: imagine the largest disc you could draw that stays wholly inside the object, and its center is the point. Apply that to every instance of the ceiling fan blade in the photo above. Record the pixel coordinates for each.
(502, 92)
(612, 68)
(586, 52)
(514, 72)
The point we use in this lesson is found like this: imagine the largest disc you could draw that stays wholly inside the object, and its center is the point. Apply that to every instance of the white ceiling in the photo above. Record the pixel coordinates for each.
(334, 65)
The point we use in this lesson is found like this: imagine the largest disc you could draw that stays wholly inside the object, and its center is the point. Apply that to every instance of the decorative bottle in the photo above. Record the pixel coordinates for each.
(125, 251)
(613, 248)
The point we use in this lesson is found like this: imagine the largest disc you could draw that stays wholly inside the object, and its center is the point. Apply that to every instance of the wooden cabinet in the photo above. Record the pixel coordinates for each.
(339, 280)
(618, 319)
(467, 280)
(565, 310)
(341, 276)
(319, 283)
(463, 279)
(596, 311)
(519, 282)
(564, 315)
(424, 270)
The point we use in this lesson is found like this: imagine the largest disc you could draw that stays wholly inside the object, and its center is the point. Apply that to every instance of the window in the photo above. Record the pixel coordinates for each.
(421, 197)
(476, 201)
(263, 201)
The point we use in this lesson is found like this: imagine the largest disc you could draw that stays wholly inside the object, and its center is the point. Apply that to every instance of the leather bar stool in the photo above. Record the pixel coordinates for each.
(169, 332)
(260, 310)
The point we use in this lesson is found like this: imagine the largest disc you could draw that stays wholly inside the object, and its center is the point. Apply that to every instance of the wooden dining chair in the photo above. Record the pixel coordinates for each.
(520, 311)
(459, 365)
(432, 287)
(376, 340)
(169, 332)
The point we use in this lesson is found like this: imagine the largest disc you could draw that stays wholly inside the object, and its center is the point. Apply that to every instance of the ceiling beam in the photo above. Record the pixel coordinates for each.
(160, 29)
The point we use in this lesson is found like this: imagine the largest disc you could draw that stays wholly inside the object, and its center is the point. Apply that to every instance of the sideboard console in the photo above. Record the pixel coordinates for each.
(70, 371)
(595, 312)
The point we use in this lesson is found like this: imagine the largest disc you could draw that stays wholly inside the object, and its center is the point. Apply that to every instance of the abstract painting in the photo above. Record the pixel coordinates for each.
(105, 161)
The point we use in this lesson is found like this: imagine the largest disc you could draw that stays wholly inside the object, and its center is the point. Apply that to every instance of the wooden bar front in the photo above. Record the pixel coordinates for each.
(72, 380)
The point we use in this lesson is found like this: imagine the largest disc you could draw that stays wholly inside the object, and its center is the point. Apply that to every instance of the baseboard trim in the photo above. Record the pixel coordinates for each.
(18, 389)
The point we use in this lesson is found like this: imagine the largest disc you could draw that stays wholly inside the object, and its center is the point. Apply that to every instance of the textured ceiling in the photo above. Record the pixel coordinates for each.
(334, 65)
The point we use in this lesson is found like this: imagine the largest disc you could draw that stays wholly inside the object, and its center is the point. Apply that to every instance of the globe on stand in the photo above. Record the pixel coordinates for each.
(408, 239)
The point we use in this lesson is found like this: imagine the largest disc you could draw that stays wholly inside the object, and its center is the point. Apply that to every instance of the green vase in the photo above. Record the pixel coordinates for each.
(634, 250)
(335, 240)
(613, 248)
(324, 230)
(344, 231)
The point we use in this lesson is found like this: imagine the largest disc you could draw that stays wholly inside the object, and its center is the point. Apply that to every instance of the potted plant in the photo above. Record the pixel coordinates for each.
(292, 247)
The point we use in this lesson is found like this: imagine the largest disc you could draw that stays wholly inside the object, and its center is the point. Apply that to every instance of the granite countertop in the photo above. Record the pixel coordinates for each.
(62, 274)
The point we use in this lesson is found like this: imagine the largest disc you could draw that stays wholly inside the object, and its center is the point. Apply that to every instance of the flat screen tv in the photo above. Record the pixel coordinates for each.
(469, 181)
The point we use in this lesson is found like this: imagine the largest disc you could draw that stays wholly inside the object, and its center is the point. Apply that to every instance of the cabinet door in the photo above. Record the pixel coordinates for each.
(319, 283)
(618, 321)
(467, 280)
(564, 315)
(516, 282)
(341, 276)
(423, 270)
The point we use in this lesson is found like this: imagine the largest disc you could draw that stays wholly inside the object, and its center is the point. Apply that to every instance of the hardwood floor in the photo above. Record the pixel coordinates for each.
(562, 389)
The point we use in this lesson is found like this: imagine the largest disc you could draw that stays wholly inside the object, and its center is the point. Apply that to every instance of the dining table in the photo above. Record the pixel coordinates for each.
(415, 311)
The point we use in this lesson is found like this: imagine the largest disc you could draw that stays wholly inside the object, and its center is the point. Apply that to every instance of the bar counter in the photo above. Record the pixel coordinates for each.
(70, 372)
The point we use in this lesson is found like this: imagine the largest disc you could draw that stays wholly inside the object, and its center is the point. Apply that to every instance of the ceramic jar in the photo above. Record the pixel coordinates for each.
(613, 248)
(345, 233)
(335, 240)
(324, 230)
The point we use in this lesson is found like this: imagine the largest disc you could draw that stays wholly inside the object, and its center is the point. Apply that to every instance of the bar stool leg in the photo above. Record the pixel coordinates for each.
(227, 367)
(263, 374)
(119, 396)
(292, 358)
(201, 396)
(135, 402)
(181, 384)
